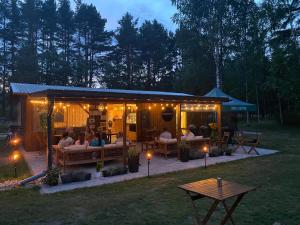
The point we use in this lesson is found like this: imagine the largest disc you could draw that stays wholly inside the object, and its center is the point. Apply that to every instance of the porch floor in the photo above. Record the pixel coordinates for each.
(37, 163)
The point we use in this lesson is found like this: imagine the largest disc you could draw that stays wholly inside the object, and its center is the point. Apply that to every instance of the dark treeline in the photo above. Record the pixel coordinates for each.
(251, 51)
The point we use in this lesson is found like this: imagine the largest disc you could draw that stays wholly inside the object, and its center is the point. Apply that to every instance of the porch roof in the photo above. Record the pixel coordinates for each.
(83, 93)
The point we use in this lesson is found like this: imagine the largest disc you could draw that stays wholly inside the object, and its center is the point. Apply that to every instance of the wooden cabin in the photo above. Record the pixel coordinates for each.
(137, 114)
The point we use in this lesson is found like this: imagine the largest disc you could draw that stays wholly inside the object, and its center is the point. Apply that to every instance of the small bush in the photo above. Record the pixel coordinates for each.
(52, 176)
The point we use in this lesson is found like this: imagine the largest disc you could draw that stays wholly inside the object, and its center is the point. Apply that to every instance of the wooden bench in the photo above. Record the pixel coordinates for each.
(80, 154)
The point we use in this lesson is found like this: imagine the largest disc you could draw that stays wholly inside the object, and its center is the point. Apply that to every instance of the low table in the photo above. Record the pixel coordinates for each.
(209, 189)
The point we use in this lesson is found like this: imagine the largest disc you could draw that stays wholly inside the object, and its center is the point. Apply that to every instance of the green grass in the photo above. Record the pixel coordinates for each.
(7, 166)
(158, 201)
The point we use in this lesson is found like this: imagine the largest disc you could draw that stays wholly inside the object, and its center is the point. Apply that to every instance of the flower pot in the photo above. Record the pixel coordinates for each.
(97, 174)
(184, 155)
(133, 164)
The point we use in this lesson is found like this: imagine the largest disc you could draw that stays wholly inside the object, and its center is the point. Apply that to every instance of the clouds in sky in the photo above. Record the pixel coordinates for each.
(113, 10)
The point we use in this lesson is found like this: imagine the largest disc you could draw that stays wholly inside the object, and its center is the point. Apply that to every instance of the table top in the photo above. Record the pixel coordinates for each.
(209, 188)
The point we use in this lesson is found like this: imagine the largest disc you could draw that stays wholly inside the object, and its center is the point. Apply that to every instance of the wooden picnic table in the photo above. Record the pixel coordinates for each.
(209, 189)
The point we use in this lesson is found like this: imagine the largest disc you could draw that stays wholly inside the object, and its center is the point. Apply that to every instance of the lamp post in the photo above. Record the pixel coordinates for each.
(15, 159)
(205, 149)
(149, 156)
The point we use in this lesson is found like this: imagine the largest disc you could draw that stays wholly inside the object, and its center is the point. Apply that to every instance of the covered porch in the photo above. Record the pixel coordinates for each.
(46, 111)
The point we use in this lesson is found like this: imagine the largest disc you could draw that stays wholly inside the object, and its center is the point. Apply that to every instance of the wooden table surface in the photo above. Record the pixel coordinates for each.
(209, 188)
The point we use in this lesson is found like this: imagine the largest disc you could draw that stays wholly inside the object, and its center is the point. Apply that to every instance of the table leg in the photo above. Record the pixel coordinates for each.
(232, 208)
(253, 149)
(209, 213)
(227, 211)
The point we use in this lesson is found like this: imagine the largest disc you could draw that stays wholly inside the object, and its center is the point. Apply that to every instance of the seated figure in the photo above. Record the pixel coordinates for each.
(189, 134)
(97, 140)
(81, 140)
(65, 141)
(165, 134)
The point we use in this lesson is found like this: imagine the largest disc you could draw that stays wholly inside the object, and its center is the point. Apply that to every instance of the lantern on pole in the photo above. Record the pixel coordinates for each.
(149, 157)
(205, 150)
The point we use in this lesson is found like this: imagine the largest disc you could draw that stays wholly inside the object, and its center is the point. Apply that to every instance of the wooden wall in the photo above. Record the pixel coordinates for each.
(152, 119)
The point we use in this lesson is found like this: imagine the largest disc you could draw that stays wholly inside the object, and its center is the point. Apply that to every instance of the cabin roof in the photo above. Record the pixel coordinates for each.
(57, 91)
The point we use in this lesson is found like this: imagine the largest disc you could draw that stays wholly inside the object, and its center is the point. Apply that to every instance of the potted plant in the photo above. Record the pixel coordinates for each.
(215, 151)
(51, 177)
(184, 151)
(133, 160)
(213, 134)
(99, 167)
(228, 151)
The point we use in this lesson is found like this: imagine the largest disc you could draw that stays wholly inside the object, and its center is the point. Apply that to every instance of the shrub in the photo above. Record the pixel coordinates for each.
(51, 177)
(99, 166)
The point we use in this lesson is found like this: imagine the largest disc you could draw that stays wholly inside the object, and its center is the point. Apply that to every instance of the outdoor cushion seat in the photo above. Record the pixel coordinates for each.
(168, 141)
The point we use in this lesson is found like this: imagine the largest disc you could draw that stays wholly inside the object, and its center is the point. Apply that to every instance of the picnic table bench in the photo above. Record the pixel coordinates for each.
(209, 189)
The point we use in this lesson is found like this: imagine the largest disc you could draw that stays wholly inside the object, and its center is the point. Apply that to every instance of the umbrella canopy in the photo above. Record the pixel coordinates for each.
(234, 104)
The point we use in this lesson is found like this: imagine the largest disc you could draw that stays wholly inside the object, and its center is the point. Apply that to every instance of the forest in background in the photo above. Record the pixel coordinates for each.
(249, 50)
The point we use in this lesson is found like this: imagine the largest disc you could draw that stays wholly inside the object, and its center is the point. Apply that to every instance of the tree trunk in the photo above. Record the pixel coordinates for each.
(257, 104)
(280, 109)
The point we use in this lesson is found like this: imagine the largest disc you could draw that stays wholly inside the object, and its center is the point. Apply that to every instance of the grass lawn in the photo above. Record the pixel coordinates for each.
(158, 201)
(7, 166)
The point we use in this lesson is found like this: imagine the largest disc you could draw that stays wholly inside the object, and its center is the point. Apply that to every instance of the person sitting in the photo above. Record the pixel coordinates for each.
(104, 138)
(189, 134)
(165, 134)
(88, 134)
(65, 141)
(71, 132)
(81, 140)
(97, 140)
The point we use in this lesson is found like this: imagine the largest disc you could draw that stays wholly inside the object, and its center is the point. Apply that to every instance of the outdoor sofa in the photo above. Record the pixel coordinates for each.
(170, 146)
(80, 154)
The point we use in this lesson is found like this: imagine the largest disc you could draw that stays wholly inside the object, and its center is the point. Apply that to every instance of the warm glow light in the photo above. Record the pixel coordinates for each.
(163, 108)
(15, 141)
(149, 107)
(149, 155)
(16, 156)
(40, 102)
(205, 149)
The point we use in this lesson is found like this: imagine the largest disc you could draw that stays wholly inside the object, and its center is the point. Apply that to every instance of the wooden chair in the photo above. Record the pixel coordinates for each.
(225, 139)
(253, 143)
(240, 141)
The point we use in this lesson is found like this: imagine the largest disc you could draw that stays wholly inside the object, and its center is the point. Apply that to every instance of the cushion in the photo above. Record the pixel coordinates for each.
(75, 147)
(168, 141)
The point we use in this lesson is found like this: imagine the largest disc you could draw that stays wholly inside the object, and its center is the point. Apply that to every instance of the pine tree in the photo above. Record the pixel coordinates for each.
(4, 52)
(27, 67)
(92, 42)
(49, 56)
(122, 70)
(65, 22)
(154, 43)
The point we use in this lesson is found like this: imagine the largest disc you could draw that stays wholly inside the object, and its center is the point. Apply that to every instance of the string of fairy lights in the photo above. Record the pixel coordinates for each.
(131, 107)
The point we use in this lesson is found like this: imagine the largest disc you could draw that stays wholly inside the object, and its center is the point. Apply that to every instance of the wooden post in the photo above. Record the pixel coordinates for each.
(219, 112)
(178, 128)
(124, 135)
(49, 131)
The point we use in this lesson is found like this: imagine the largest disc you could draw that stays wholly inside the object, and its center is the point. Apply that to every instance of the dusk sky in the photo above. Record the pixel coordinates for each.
(113, 10)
